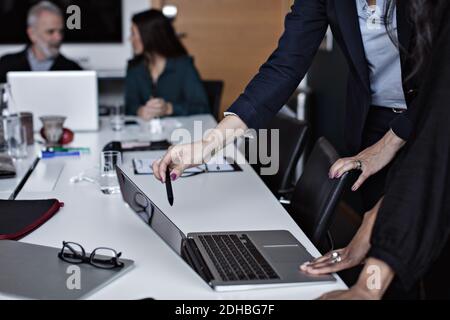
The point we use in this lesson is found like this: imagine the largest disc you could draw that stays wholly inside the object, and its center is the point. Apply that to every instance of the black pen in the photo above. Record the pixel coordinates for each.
(169, 187)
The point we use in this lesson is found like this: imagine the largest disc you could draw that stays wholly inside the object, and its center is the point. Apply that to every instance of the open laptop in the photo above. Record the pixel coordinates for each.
(227, 261)
(73, 94)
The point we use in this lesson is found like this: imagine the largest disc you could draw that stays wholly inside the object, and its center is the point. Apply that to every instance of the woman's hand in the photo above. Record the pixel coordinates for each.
(178, 159)
(182, 157)
(155, 108)
(370, 160)
(352, 255)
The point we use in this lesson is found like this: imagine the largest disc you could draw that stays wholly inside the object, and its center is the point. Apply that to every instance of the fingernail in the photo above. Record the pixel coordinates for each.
(354, 188)
(173, 176)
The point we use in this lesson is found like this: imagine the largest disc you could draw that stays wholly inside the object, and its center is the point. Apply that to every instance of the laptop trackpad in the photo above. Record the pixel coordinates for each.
(285, 254)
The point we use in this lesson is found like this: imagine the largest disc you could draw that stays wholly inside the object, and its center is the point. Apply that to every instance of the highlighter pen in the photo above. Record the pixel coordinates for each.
(49, 155)
(61, 149)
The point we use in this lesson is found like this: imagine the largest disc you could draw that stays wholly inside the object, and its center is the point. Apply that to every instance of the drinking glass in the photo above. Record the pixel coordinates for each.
(109, 184)
(15, 136)
(117, 117)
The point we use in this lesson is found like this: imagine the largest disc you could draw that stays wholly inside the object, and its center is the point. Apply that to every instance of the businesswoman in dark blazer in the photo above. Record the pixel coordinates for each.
(379, 99)
(161, 79)
(408, 229)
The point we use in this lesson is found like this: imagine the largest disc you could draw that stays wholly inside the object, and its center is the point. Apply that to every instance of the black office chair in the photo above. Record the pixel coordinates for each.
(292, 142)
(214, 90)
(314, 200)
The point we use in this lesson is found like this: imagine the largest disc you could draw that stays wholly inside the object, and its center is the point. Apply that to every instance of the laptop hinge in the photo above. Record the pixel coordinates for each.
(194, 258)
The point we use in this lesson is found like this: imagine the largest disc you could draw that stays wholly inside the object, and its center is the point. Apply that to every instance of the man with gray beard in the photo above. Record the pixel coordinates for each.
(45, 29)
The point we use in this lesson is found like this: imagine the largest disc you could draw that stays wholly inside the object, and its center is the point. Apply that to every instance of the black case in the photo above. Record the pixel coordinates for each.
(152, 146)
(19, 218)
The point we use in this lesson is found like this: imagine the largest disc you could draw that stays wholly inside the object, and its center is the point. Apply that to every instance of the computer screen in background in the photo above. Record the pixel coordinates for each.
(101, 21)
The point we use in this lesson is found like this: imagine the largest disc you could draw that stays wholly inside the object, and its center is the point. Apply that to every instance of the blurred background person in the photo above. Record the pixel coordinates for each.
(45, 30)
(161, 79)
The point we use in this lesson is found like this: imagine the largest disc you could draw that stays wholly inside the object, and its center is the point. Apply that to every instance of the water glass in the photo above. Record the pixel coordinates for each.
(109, 184)
(15, 136)
(117, 117)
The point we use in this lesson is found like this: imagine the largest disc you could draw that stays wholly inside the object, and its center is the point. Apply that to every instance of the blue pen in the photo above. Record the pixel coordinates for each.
(48, 155)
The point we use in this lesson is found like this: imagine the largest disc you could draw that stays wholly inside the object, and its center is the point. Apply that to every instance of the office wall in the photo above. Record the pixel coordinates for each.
(102, 57)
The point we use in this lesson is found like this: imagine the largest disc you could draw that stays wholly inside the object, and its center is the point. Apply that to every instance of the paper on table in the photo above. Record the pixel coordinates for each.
(219, 165)
(144, 166)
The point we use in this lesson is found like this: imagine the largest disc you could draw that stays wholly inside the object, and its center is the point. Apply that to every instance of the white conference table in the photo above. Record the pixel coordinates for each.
(235, 201)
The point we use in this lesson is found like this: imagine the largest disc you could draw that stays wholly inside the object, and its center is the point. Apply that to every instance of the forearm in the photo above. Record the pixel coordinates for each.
(230, 128)
(390, 144)
(369, 219)
(376, 276)
(374, 279)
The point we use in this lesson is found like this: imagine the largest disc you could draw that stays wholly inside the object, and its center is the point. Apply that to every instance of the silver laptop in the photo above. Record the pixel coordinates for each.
(35, 272)
(227, 261)
(73, 94)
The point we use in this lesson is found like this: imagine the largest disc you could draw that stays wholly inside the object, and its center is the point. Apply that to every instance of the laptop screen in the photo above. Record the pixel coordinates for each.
(150, 213)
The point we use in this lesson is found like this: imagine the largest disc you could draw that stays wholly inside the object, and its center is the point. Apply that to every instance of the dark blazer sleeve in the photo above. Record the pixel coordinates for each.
(305, 28)
(412, 226)
(195, 99)
(403, 124)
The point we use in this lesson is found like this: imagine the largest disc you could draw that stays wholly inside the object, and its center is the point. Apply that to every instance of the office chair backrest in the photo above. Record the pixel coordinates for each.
(314, 201)
(214, 90)
(292, 142)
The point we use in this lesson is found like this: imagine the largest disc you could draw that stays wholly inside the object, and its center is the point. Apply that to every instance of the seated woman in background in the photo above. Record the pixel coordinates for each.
(161, 79)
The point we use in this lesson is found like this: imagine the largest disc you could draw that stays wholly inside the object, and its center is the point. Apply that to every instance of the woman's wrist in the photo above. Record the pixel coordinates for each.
(392, 140)
(212, 144)
(169, 110)
(371, 215)
(140, 112)
(230, 128)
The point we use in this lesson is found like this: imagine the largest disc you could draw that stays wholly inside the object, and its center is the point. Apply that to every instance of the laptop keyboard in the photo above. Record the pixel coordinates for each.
(237, 258)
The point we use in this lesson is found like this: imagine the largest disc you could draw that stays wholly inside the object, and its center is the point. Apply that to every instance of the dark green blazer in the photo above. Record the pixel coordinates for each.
(179, 84)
